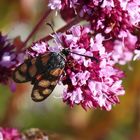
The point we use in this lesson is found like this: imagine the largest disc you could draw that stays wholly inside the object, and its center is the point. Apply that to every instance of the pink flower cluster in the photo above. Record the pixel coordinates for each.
(37, 49)
(9, 134)
(90, 82)
(29, 134)
(116, 20)
(110, 36)
(9, 59)
(126, 10)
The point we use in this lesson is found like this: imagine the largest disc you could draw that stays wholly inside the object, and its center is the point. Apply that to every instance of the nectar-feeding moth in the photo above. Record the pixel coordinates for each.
(43, 72)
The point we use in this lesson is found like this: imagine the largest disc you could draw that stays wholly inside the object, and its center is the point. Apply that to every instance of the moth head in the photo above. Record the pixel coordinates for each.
(66, 52)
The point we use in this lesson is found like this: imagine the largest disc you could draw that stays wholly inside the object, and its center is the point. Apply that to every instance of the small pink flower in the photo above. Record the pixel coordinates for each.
(122, 49)
(107, 3)
(137, 55)
(133, 8)
(37, 49)
(55, 4)
(75, 96)
(10, 134)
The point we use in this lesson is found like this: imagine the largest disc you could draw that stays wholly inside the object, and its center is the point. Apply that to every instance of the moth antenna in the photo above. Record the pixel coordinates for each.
(91, 57)
(54, 32)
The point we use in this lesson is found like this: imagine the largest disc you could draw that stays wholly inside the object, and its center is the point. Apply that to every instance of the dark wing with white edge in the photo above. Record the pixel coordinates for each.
(30, 68)
(45, 83)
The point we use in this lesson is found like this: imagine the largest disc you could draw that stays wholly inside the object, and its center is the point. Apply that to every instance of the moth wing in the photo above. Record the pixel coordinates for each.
(30, 68)
(45, 84)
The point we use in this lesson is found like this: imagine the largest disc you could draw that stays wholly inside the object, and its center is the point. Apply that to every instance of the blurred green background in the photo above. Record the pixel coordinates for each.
(18, 17)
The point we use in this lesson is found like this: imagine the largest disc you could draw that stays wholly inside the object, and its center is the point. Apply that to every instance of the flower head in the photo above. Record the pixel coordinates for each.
(90, 83)
(90, 77)
(108, 16)
(115, 20)
(55, 4)
(10, 134)
(37, 49)
(133, 8)
(9, 59)
(121, 49)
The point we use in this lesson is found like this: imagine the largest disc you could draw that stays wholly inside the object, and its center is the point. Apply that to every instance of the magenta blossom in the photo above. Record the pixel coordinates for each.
(9, 59)
(114, 20)
(133, 8)
(37, 49)
(90, 82)
(108, 13)
(121, 49)
(9, 134)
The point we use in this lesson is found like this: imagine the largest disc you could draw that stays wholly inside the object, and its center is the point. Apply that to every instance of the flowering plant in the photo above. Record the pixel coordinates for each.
(108, 37)
(10, 58)
(15, 134)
